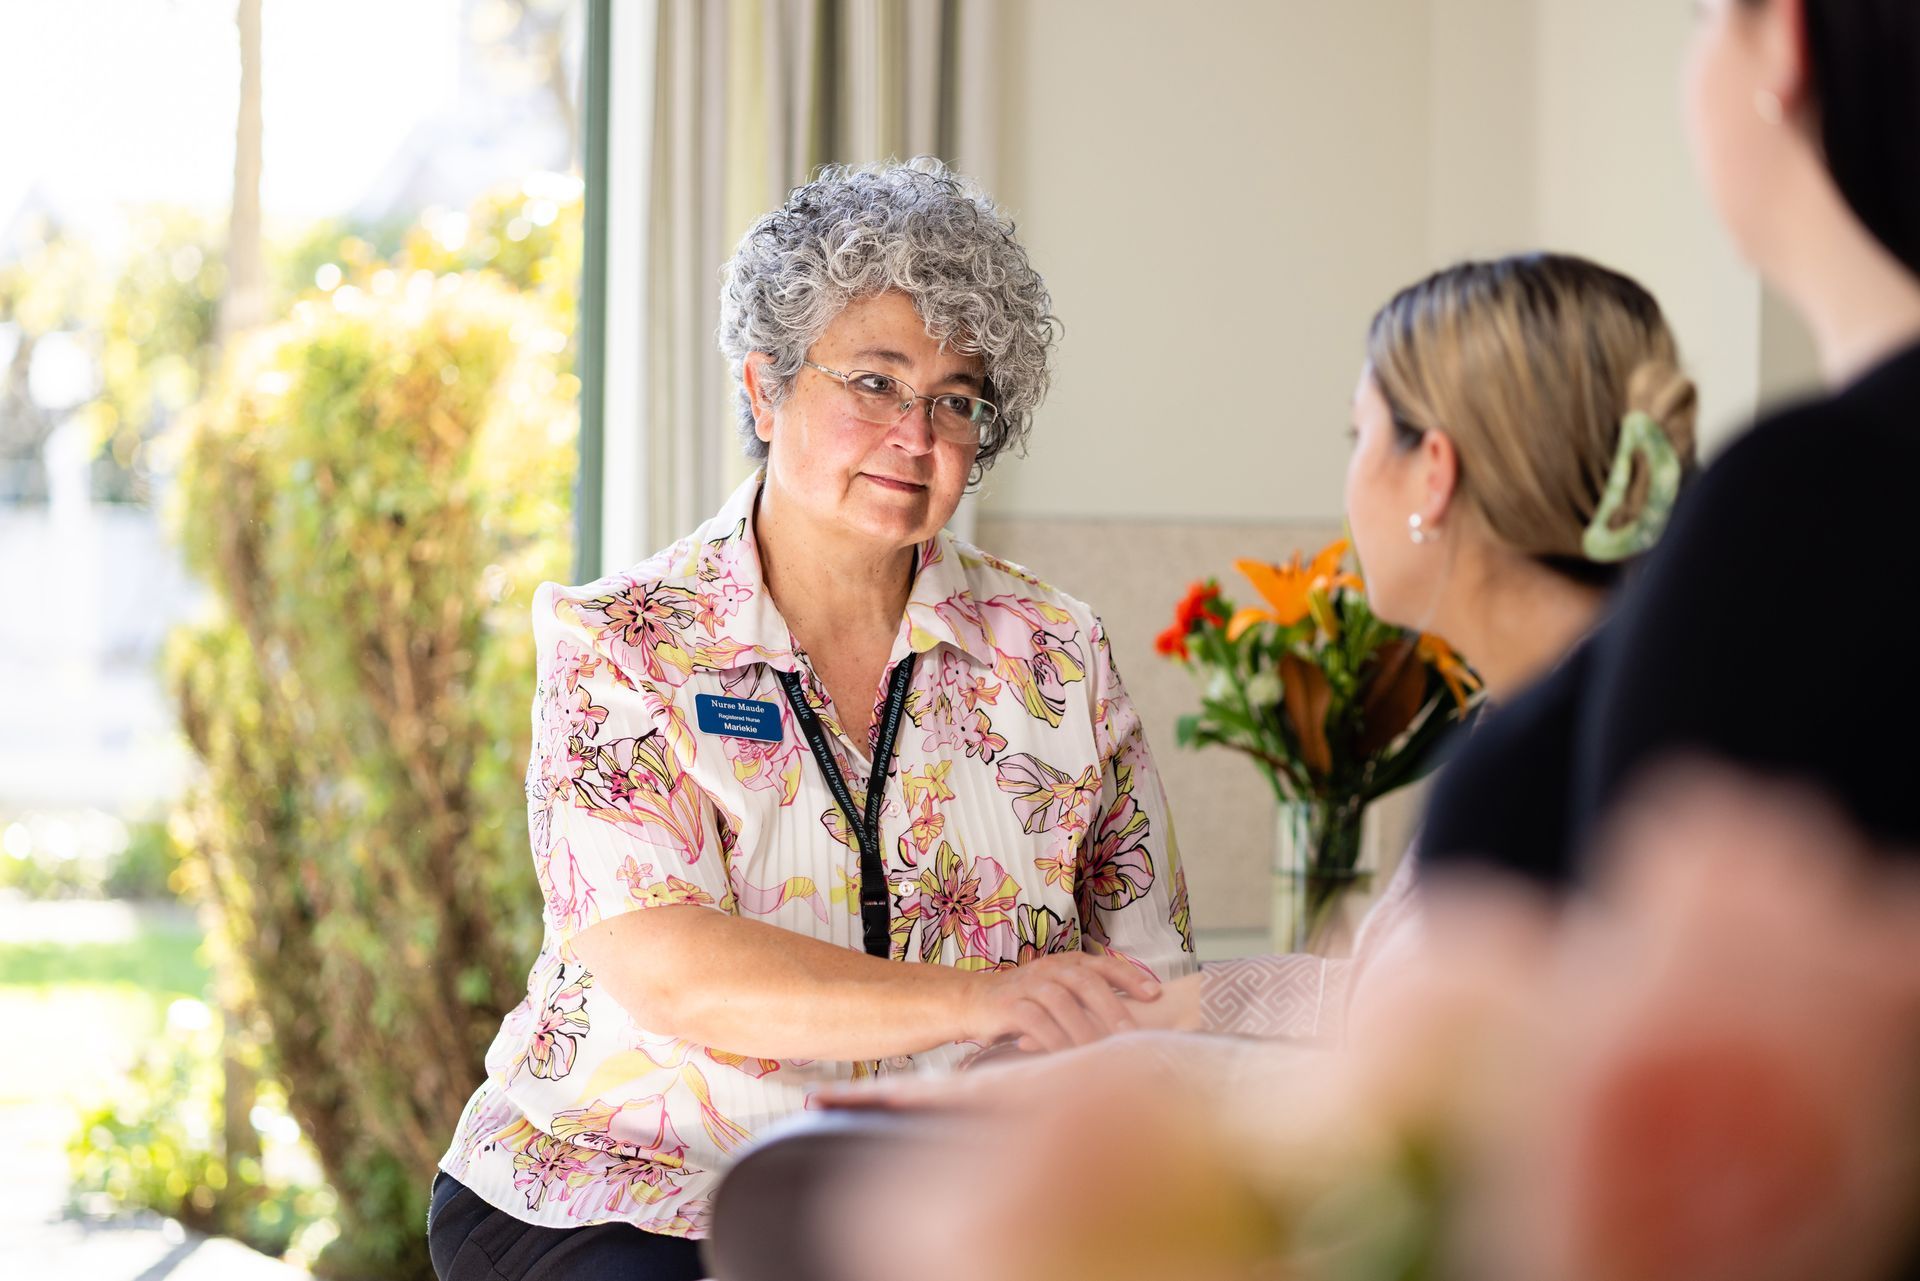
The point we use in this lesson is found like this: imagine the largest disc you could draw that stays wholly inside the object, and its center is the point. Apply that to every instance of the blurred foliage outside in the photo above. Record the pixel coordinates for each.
(146, 321)
(146, 316)
(155, 1142)
(116, 860)
(371, 488)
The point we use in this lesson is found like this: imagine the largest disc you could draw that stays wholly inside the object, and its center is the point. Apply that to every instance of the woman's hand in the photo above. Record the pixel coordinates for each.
(1058, 1002)
(1177, 1010)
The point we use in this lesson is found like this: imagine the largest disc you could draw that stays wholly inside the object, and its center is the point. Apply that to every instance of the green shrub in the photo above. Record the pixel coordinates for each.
(85, 854)
(158, 1144)
(373, 492)
(39, 876)
(145, 868)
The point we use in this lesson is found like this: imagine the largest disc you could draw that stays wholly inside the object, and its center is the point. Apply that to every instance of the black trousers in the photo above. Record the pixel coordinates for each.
(469, 1240)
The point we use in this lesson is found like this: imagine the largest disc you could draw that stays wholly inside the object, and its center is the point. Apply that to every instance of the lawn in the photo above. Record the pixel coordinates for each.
(161, 957)
(79, 1013)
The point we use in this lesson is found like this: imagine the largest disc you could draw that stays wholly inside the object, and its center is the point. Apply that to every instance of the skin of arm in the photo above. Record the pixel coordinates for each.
(759, 990)
(1177, 1010)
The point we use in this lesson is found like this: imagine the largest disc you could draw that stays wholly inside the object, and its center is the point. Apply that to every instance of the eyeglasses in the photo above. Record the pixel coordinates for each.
(882, 399)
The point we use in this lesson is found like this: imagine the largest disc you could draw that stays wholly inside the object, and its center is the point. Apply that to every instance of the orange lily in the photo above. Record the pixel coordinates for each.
(1289, 588)
(1461, 679)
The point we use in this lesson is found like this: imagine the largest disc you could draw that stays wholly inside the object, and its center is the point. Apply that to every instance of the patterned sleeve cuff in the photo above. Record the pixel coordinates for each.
(1296, 997)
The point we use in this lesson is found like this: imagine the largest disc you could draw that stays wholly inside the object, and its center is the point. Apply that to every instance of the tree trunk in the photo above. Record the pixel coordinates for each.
(244, 308)
(245, 305)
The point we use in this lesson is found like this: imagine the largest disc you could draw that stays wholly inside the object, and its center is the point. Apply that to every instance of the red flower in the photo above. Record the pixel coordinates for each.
(1200, 606)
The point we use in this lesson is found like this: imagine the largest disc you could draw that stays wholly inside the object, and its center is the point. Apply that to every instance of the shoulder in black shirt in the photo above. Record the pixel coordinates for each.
(1769, 630)
(1502, 798)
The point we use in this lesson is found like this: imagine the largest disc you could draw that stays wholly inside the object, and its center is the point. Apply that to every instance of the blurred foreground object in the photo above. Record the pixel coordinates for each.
(1706, 1068)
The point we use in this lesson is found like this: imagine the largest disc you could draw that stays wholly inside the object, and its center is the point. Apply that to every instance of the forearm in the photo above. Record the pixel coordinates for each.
(762, 991)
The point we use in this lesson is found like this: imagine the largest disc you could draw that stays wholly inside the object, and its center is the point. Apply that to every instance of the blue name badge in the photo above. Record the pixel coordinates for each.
(738, 718)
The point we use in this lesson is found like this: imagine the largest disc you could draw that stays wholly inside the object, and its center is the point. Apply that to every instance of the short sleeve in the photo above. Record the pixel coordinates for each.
(1131, 892)
(615, 821)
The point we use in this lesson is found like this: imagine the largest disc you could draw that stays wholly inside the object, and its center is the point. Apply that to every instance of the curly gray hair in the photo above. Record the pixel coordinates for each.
(917, 227)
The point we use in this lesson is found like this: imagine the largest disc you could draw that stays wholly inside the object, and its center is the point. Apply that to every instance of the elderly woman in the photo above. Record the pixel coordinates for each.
(818, 792)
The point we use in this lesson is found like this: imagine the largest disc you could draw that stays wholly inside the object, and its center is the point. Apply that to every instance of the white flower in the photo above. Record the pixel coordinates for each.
(1264, 689)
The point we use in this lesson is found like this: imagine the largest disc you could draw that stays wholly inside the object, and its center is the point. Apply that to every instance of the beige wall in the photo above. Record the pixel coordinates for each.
(1482, 128)
(1221, 193)
(1615, 182)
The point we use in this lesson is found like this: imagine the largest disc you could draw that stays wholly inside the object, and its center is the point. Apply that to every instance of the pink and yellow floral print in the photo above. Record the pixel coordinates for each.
(1045, 799)
(1023, 818)
(562, 1024)
(962, 910)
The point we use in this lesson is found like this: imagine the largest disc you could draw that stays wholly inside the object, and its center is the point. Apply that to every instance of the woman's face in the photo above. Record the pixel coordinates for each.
(1727, 85)
(1387, 482)
(895, 484)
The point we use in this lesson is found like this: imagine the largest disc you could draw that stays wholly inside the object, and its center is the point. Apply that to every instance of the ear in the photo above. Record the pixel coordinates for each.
(1439, 476)
(1785, 58)
(753, 376)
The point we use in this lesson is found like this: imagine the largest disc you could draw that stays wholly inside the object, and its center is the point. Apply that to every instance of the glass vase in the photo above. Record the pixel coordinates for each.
(1316, 870)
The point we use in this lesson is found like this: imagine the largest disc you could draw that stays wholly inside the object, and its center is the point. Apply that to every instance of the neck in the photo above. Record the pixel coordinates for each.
(827, 585)
(1861, 304)
(1525, 619)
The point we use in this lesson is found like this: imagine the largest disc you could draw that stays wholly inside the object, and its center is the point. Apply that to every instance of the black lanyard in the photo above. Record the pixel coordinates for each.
(865, 829)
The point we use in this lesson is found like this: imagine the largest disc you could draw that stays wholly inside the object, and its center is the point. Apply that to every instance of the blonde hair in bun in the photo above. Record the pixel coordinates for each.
(1530, 365)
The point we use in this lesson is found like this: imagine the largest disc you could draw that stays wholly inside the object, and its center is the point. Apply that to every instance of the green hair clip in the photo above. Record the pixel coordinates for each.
(1641, 437)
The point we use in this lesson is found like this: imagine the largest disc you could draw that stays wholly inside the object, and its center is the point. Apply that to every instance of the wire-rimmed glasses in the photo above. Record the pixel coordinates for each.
(882, 399)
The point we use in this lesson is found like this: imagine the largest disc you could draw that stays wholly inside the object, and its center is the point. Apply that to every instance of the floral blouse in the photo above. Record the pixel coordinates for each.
(1023, 817)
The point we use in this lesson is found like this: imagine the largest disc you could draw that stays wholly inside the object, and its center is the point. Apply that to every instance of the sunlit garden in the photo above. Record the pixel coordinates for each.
(296, 548)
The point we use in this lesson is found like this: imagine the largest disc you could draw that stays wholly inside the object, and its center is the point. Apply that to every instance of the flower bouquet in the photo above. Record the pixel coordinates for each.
(1336, 707)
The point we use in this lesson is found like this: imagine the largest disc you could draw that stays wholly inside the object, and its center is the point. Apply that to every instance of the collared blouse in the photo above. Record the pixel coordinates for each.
(1023, 817)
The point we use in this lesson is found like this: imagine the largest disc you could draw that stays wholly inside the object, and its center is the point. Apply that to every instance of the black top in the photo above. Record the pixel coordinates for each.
(1769, 629)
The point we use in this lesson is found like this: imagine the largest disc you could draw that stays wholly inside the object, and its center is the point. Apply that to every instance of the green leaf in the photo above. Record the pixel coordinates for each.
(1186, 730)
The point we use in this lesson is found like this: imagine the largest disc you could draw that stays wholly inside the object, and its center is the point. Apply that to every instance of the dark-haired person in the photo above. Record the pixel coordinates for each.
(1768, 628)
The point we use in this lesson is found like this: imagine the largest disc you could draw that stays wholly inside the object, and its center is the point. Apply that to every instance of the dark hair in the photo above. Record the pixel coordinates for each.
(1865, 80)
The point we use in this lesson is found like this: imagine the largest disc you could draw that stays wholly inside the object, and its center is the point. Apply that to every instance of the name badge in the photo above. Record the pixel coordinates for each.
(738, 718)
